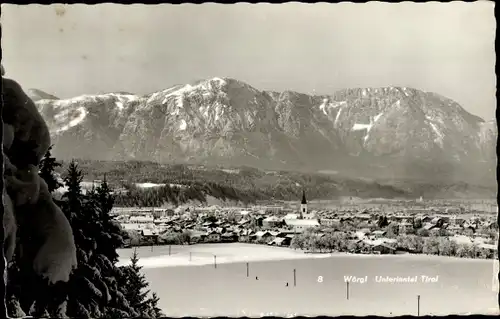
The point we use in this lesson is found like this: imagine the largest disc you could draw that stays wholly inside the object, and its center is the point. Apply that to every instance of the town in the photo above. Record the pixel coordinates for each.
(445, 229)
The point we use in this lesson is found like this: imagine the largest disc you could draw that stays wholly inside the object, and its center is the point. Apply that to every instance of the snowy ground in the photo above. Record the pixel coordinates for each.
(463, 285)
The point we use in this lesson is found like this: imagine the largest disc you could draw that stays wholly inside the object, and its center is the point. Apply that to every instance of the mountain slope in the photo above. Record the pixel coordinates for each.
(37, 95)
(369, 131)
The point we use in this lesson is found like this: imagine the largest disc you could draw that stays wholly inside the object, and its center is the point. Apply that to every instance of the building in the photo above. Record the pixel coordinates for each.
(262, 236)
(291, 216)
(309, 215)
(272, 222)
(457, 220)
(383, 249)
(299, 225)
(404, 227)
(303, 205)
(280, 241)
(149, 234)
(145, 219)
(274, 209)
(379, 233)
(331, 222)
(213, 236)
(244, 235)
(137, 226)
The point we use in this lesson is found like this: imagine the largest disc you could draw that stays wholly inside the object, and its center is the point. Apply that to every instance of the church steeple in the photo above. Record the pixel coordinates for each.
(303, 205)
(304, 201)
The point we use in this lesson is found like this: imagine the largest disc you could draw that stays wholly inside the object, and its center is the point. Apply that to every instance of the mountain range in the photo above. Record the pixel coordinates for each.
(383, 133)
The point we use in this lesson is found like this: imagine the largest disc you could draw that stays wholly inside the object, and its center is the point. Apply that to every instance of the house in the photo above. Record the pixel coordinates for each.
(149, 235)
(330, 222)
(346, 218)
(284, 233)
(454, 228)
(244, 222)
(469, 229)
(242, 214)
(426, 219)
(402, 250)
(299, 225)
(365, 224)
(291, 216)
(274, 209)
(145, 219)
(362, 217)
(258, 221)
(213, 236)
(309, 215)
(489, 225)
(429, 226)
(229, 237)
(404, 227)
(362, 246)
(280, 241)
(244, 235)
(209, 224)
(437, 221)
(272, 222)
(451, 210)
(488, 247)
(436, 231)
(362, 233)
(401, 218)
(457, 220)
(383, 249)
(130, 226)
(274, 233)
(355, 236)
(379, 233)
(197, 237)
(262, 236)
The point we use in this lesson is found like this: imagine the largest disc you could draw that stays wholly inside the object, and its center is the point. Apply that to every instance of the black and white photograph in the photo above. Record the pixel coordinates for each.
(249, 160)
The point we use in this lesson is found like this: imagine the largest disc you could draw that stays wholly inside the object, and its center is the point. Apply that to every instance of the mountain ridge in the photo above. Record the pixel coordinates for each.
(227, 121)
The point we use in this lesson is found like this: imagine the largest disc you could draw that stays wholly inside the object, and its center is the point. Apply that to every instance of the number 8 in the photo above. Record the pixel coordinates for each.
(320, 278)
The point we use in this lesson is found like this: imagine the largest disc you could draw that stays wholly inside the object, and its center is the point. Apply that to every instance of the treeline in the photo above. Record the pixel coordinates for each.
(135, 238)
(245, 184)
(433, 245)
(190, 191)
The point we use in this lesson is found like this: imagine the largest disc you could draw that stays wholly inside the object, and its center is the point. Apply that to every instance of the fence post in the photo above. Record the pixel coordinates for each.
(294, 277)
(418, 305)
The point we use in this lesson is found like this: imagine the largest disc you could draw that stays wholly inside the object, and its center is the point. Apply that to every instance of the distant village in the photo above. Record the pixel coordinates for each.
(364, 228)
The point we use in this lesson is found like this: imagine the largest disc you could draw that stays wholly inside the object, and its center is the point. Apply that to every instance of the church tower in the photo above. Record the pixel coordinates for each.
(303, 205)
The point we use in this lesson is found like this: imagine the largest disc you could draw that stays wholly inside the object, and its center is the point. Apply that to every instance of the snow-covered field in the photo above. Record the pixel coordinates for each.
(188, 284)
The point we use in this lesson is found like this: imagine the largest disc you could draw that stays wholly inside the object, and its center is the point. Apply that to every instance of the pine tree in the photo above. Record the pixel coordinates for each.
(136, 284)
(88, 293)
(74, 195)
(47, 169)
(155, 312)
(110, 236)
(97, 288)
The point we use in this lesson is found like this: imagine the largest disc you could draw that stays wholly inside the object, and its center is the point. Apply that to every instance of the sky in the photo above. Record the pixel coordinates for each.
(69, 50)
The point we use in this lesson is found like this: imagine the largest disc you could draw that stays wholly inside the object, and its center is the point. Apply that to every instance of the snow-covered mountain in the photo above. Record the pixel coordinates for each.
(37, 95)
(391, 130)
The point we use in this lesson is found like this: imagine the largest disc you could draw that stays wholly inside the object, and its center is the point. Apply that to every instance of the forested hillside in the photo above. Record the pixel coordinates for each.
(181, 183)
